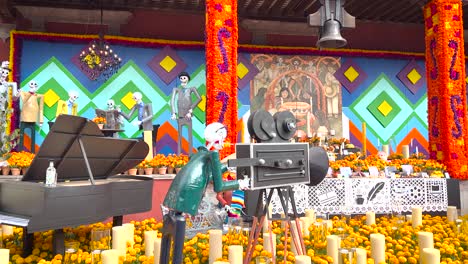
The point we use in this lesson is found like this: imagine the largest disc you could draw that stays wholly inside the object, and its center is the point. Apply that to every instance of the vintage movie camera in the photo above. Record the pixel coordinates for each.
(273, 161)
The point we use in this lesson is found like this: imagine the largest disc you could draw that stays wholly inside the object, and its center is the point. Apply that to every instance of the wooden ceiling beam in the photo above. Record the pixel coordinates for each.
(267, 10)
(410, 14)
(387, 7)
(370, 6)
(292, 7)
(393, 8)
(356, 6)
(6, 11)
(312, 7)
(277, 8)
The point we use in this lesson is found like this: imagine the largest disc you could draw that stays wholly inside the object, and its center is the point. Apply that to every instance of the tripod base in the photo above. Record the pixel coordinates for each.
(173, 233)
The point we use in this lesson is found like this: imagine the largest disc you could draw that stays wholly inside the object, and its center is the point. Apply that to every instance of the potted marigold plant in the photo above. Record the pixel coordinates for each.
(160, 162)
(100, 121)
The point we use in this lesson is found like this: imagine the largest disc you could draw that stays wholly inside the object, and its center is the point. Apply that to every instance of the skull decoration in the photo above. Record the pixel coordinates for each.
(33, 86)
(110, 104)
(73, 95)
(184, 78)
(137, 96)
(215, 134)
(5, 70)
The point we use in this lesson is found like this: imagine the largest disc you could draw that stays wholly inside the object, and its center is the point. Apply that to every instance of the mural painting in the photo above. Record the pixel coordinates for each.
(304, 85)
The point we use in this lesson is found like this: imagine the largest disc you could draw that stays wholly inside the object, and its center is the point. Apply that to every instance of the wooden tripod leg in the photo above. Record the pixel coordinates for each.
(285, 244)
(256, 228)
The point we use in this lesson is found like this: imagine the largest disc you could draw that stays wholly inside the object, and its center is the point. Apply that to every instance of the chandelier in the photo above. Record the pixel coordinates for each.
(98, 60)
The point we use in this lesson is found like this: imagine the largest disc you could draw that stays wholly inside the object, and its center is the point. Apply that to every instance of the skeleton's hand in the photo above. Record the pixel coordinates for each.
(244, 184)
(189, 114)
(136, 123)
(173, 116)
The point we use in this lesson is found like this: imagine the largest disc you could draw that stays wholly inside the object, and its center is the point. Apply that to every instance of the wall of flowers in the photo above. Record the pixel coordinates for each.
(333, 91)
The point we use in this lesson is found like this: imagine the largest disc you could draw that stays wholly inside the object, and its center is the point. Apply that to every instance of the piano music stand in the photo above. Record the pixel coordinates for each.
(82, 155)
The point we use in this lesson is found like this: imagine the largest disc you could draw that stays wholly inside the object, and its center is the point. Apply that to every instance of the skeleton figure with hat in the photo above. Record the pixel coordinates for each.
(5, 86)
(182, 108)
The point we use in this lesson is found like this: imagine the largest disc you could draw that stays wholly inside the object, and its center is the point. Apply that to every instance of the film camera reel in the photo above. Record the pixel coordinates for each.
(272, 135)
(265, 128)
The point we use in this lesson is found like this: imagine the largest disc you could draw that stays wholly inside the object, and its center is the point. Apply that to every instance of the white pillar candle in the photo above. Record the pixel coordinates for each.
(157, 250)
(416, 218)
(266, 223)
(310, 213)
(305, 223)
(329, 224)
(405, 151)
(332, 247)
(303, 259)
(119, 240)
(386, 149)
(370, 218)
(377, 247)
(425, 240)
(130, 231)
(216, 245)
(235, 254)
(269, 243)
(430, 256)
(452, 214)
(361, 256)
(110, 256)
(150, 236)
(4, 256)
(7, 230)
(409, 218)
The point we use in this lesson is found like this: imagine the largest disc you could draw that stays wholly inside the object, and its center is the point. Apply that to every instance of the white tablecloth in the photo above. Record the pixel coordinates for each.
(359, 195)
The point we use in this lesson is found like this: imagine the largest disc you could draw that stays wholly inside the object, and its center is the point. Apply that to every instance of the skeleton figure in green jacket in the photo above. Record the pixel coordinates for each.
(188, 188)
(189, 185)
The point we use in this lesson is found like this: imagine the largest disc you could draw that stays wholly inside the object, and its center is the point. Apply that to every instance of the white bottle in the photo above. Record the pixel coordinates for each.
(51, 175)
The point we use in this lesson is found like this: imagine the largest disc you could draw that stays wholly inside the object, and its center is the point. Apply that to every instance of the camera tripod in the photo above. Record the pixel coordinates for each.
(286, 195)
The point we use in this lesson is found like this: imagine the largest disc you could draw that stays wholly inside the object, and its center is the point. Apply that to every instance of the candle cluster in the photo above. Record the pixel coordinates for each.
(322, 238)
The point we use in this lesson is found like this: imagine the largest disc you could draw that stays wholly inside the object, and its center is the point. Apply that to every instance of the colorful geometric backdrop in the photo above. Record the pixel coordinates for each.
(389, 94)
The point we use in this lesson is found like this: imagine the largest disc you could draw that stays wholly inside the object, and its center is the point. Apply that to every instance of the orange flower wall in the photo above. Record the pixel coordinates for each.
(446, 91)
(221, 67)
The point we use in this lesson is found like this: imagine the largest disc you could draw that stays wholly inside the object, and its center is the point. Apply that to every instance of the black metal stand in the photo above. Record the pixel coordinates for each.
(286, 195)
(28, 242)
(58, 242)
(173, 231)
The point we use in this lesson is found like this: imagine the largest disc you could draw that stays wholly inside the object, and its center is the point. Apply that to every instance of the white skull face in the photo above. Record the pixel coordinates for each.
(110, 104)
(183, 80)
(33, 86)
(73, 96)
(5, 73)
(215, 134)
(137, 96)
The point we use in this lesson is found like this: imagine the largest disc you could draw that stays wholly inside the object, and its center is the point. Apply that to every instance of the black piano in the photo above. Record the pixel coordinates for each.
(89, 187)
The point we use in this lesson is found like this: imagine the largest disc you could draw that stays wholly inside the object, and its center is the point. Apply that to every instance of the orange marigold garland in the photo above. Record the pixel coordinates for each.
(221, 67)
(446, 91)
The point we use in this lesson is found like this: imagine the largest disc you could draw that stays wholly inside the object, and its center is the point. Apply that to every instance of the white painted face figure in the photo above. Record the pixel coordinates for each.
(33, 86)
(215, 134)
(137, 96)
(73, 96)
(5, 73)
(183, 80)
(110, 104)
